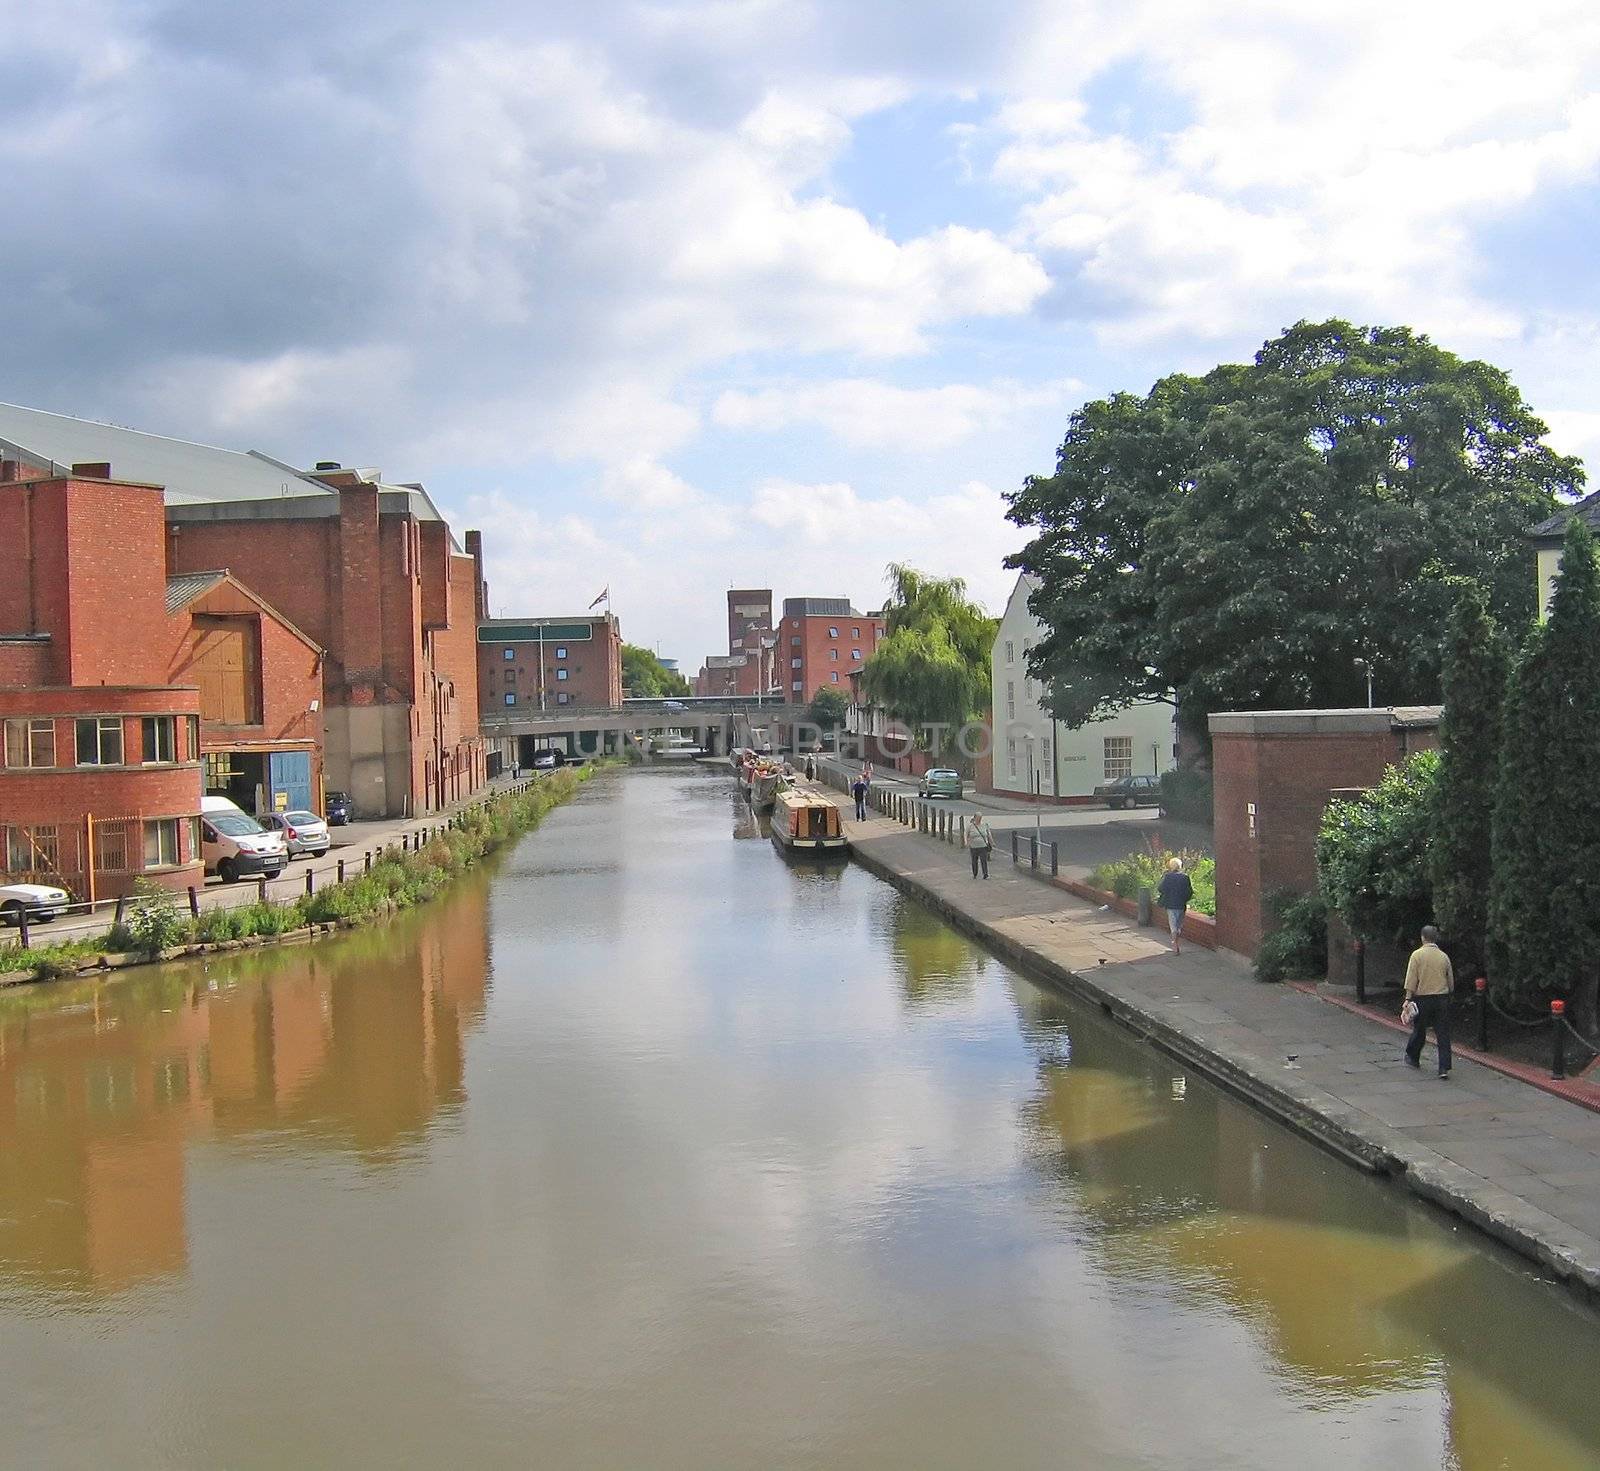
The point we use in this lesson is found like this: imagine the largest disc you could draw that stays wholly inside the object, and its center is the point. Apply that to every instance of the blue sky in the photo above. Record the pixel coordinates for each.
(766, 292)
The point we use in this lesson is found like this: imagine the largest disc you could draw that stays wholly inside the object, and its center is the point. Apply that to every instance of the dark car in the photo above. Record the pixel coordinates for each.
(1130, 791)
(340, 811)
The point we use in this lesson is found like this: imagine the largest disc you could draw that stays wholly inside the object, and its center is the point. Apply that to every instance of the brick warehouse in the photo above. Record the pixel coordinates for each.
(546, 663)
(367, 570)
(820, 642)
(101, 776)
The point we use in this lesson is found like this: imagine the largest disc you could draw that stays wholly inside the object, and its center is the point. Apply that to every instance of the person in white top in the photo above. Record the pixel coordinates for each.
(980, 843)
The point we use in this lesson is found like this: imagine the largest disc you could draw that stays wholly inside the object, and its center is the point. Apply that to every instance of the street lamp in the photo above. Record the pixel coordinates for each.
(1365, 666)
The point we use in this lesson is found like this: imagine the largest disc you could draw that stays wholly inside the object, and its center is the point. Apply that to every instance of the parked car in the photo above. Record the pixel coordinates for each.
(340, 809)
(547, 760)
(233, 843)
(940, 782)
(1130, 791)
(40, 902)
(673, 705)
(303, 832)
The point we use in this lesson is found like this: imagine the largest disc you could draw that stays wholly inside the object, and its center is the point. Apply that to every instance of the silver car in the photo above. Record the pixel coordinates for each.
(303, 832)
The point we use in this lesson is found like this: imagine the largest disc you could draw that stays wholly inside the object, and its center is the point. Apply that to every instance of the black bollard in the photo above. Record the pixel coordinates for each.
(1055, 859)
(122, 900)
(261, 891)
(1482, 986)
(366, 861)
(1033, 850)
(1558, 1019)
(22, 927)
(309, 873)
(1013, 845)
(194, 902)
(341, 871)
(1361, 971)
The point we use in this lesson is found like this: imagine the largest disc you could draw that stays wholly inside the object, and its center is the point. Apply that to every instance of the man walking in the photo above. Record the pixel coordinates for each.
(858, 790)
(1429, 982)
(1175, 891)
(980, 843)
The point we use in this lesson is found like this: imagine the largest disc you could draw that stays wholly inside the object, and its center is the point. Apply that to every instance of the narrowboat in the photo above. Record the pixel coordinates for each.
(804, 823)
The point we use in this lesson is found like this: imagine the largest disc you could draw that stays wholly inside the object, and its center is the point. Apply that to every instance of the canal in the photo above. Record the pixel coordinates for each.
(644, 1149)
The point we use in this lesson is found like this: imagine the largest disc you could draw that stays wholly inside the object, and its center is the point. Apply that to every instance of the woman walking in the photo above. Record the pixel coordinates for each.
(980, 843)
(1175, 891)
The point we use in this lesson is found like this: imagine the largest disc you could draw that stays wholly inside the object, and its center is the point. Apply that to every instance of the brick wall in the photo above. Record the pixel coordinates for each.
(1273, 775)
(593, 669)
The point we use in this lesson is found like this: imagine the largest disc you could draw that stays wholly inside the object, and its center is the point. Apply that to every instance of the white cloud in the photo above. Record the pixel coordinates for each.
(869, 413)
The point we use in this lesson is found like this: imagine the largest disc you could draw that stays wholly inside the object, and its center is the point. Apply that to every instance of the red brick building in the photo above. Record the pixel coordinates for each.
(1274, 772)
(545, 663)
(749, 618)
(820, 642)
(734, 674)
(364, 569)
(100, 764)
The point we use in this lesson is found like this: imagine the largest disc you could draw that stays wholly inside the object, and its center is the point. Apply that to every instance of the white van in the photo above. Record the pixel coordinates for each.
(233, 843)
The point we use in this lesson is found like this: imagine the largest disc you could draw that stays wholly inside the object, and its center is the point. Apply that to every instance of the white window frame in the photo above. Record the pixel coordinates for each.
(511, 697)
(164, 830)
(22, 738)
(104, 727)
(1118, 750)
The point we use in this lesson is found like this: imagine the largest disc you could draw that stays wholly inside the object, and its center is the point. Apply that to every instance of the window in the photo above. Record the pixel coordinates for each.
(511, 677)
(794, 643)
(834, 676)
(1119, 757)
(100, 740)
(563, 698)
(795, 663)
(1044, 753)
(511, 699)
(30, 743)
(795, 686)
(855, 633)
(160, 738)
(193, 824)
(161, 842)
(192, 750)
(30, 849)
(508, 653)
(561, 674)
(855, 653)
(833, 653)
(111, 847)
(1011, 652)
(1011, 755)
(1011, 699)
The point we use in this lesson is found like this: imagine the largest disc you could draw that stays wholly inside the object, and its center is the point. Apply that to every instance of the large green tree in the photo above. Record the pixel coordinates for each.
(932, 666)
(1476, 664)
(645, 677)
(1248, 538)
(1544, 917)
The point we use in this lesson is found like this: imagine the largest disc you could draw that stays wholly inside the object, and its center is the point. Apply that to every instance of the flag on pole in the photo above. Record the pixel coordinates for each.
(605, 597)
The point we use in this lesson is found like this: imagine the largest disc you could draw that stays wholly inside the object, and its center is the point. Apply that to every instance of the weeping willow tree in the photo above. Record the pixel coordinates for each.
(932, 667)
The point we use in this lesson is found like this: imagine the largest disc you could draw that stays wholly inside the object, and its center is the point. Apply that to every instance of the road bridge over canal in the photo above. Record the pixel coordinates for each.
(718, 723)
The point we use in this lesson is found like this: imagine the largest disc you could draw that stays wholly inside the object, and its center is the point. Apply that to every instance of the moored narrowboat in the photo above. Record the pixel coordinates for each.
(804, 823)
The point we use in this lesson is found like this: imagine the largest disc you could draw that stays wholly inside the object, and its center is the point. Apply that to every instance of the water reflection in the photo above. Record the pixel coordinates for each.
(1352, 1289)
(937, 965)
(105, 1085)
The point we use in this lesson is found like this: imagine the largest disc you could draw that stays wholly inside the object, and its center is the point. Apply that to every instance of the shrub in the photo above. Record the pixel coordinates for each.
(1372, 853)
(1297, 949)
(215, 925)
(1124, 877)
(1187, 795)
(154, 923)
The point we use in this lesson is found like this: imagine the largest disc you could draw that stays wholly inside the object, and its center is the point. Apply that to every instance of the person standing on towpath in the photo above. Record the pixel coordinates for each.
(1429, 982)
(1175, 891)
(858, 790)
(980, 843)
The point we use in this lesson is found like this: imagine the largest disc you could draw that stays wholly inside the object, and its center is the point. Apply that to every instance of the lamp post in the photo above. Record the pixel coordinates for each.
(1365, 666)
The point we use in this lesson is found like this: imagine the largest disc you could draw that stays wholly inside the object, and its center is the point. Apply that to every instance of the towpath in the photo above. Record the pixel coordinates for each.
(1521, 1164)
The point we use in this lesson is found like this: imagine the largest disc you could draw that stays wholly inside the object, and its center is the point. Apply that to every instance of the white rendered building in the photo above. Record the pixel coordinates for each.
(1033, 752)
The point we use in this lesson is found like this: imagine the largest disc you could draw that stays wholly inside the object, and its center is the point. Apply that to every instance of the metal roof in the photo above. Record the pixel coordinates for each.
(185, 587)
(191, 473)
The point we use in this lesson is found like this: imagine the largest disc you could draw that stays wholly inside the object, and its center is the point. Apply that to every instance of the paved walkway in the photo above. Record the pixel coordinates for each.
(1521, 1164)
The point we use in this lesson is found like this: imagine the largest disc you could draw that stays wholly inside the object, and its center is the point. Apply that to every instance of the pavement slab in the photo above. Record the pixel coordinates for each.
(1521, 1164)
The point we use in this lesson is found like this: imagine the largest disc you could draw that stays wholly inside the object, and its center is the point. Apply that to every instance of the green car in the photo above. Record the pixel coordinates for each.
(940, 782)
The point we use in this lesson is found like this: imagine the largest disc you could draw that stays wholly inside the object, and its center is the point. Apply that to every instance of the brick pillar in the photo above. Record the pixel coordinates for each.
(360, 593)
(480, 600)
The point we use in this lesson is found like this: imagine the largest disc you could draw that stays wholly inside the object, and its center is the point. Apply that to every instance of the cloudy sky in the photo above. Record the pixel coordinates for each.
(768, 292)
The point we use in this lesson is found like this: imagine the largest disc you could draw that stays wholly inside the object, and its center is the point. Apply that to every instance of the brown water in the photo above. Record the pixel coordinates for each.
(648, 1150)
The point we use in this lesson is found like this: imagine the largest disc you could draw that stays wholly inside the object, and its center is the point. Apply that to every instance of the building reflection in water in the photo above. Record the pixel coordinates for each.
(354, 1045)
(1350, 1286)
(937, 964)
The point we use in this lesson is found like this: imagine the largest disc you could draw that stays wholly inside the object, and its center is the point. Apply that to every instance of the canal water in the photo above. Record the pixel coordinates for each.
(645, 1149)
